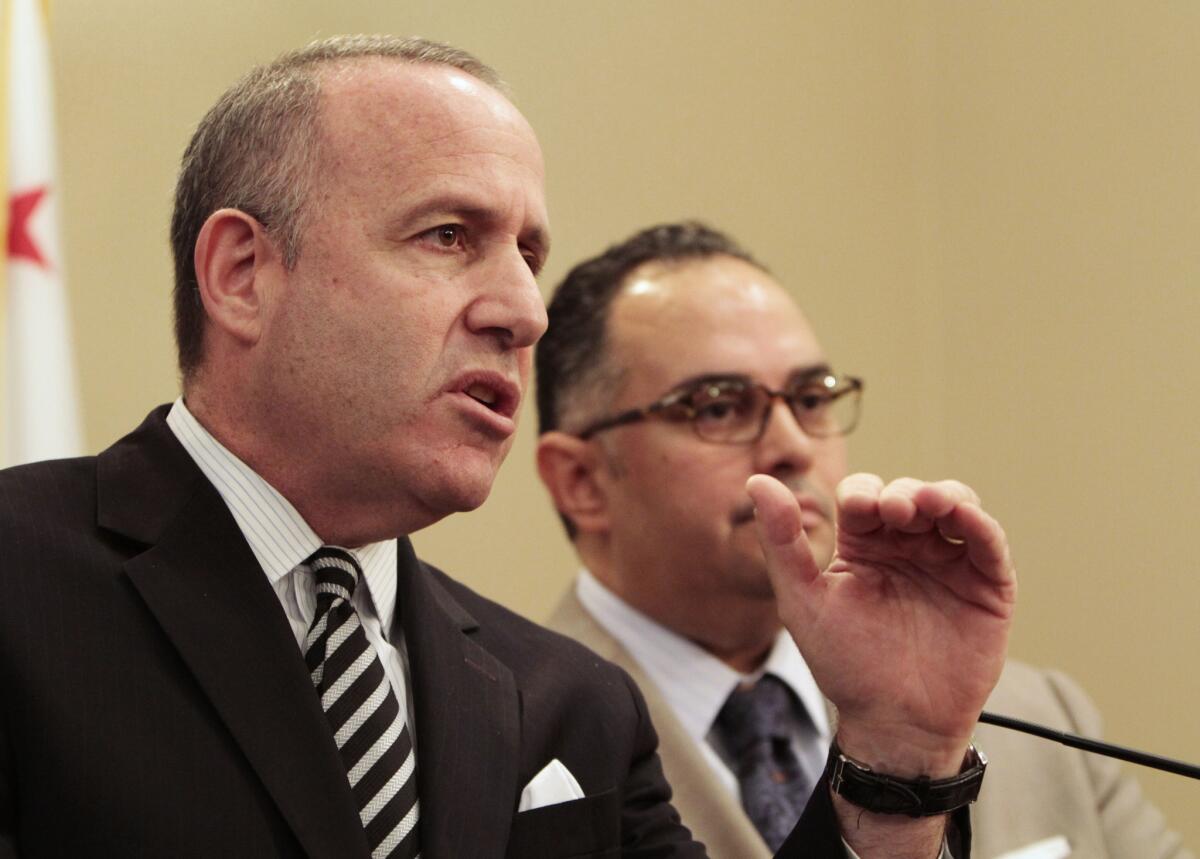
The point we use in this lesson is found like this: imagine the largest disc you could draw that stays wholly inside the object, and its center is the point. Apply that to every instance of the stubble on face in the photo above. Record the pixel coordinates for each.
(821, 532)
(686, 535)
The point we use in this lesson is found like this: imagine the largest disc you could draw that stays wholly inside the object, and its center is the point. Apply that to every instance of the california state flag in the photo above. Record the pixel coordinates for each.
(39, 414)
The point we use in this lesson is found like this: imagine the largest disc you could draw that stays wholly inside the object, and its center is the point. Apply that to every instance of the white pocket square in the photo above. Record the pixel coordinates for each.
(554, 784)
(1049, 848)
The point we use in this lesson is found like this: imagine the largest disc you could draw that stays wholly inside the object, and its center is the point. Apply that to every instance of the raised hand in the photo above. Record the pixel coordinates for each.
(907, 629)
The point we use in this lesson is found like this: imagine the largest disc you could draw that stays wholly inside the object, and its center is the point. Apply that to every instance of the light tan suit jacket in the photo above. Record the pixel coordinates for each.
(1033, 790)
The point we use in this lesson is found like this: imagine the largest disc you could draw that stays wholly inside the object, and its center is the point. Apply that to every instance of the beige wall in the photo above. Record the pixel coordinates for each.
(991, 211)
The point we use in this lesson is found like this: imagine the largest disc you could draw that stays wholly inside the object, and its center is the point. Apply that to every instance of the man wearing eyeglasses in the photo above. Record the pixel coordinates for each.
(674, 368)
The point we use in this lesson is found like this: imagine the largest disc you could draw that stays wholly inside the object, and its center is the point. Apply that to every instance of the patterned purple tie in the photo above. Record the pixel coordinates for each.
(757, 724)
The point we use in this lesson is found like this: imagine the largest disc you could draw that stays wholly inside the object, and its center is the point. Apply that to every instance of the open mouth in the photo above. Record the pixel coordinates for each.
(481, 393)
(493, 392)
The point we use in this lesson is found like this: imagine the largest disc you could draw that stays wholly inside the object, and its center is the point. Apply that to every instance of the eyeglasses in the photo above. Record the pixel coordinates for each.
(735, 410)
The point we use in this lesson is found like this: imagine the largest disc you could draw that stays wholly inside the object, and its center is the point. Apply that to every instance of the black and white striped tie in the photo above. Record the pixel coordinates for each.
(362, 709)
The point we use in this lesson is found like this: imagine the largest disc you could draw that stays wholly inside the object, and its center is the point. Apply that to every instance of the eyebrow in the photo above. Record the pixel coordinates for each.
(800, 374)
(806, 374)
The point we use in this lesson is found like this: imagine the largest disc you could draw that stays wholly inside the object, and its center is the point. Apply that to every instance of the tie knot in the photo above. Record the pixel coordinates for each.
(756, 712)
(335, 573)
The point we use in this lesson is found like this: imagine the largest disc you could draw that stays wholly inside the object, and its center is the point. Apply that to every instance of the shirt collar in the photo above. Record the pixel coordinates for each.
(276, 532)
(694, 683)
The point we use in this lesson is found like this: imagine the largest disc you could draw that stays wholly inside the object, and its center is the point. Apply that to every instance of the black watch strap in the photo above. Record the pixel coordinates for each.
(919, 797)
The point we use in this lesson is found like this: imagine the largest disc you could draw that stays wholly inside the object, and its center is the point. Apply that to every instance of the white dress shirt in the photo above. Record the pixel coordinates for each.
(695, 684)
(281, 540)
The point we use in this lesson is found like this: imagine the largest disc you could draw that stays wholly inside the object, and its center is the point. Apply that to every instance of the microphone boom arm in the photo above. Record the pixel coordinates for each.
(1107, 749)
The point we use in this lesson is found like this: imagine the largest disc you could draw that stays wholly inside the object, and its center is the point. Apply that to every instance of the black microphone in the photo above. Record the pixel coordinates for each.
(1107, 749)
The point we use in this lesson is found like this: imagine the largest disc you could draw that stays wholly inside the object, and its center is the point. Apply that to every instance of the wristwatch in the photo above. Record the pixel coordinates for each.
(919, 797)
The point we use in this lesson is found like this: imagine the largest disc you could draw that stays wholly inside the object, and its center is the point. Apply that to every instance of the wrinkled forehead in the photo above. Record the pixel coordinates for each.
(708, 317)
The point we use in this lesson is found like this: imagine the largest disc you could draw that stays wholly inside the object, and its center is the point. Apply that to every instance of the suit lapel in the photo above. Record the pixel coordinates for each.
(467, 721)
(207, 592)
(705, 805)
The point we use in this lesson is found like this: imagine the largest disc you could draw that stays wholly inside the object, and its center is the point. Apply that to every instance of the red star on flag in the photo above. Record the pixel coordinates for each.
(20, 242)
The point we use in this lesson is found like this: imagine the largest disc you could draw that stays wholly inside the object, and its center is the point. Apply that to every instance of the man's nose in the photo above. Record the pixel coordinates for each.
(510, 304)
(784, 448)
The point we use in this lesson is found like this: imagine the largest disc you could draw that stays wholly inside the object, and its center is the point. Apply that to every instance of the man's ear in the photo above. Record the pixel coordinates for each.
(232, 251)
(567, 465)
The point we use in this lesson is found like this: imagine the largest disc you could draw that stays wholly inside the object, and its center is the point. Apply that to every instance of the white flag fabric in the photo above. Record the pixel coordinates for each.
(39, 412)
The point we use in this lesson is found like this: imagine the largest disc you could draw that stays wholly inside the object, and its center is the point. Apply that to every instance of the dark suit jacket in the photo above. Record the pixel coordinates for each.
(153, 701)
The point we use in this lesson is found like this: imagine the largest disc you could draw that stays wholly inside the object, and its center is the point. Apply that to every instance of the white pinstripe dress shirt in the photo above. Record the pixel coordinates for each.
(280, 539)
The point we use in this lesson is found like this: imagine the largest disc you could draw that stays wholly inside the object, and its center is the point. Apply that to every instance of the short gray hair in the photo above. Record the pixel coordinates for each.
(258, 149)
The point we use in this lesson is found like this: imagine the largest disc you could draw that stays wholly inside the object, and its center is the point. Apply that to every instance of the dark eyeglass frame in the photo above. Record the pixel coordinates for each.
(675, 405)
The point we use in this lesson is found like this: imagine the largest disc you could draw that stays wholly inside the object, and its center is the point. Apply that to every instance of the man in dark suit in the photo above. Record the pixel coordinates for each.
(214, 637)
